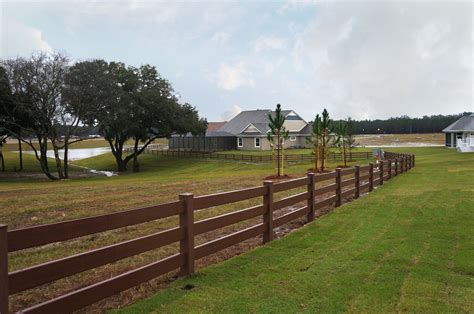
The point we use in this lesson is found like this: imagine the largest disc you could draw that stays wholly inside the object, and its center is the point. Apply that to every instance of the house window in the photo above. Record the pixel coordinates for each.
(293, 138)
(257, 142)
(240, 142)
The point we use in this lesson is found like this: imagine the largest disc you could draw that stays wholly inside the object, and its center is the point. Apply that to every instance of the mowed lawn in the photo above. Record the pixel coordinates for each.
(407, 247)
(28, 199)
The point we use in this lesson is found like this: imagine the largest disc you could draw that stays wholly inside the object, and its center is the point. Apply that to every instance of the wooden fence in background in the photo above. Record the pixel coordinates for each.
(257, 158)
(339, 184)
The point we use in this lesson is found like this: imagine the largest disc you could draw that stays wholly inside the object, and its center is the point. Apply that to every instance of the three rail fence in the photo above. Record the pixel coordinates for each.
(257, 158)
(320, 191)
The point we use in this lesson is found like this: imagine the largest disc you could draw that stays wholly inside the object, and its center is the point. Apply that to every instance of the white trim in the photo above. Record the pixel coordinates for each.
(250, 124)
(259, 142)
(293, 138)
(240, 142)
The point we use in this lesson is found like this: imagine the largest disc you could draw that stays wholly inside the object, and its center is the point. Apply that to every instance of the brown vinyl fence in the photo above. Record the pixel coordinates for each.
(339, 184)
(258, 158)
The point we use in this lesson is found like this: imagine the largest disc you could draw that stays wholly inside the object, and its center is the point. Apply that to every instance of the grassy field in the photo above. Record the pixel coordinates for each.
(407, 247)
(30, 199)
(406, 140)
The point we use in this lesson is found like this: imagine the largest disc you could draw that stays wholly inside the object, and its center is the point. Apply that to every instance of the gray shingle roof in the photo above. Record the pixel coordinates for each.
(258, 118)
(464, 124)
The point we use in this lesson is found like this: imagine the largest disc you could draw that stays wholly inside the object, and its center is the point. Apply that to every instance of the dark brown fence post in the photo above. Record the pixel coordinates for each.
(381, 172)
(186, 222)
(338, 187)
(389, 169)
(311, 196)
(3, 269)
(357, 182)
(413, 158)
(405, 163)
(396, 166)
(268, 216)
(402, 167)
(371, 177)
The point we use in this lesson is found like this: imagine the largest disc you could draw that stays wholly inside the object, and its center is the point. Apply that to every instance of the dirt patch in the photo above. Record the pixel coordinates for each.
(276, 177)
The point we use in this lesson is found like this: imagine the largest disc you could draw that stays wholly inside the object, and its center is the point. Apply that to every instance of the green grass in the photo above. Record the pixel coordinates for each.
(407, 247)
(29, 198)
(291, 151)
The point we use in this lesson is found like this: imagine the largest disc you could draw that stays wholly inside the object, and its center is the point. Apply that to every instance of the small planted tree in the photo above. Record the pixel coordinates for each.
(326, 138)
(279, 133)
(314, 140)
(342, 139)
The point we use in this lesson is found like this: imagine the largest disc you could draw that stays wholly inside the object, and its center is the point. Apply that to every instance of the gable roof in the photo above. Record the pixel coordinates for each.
(464, 124)
(258, 118)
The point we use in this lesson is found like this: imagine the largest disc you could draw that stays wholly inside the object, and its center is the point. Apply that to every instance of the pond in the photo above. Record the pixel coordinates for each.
(78, 153)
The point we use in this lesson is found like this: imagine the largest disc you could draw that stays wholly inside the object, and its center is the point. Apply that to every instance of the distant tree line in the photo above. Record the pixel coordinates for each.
(47, 102)
(404, 124)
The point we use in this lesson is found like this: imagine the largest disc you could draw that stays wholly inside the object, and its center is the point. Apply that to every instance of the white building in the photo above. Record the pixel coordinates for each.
(460, 134)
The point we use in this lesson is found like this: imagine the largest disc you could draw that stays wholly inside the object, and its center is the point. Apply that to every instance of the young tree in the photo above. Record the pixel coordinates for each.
(314, 140)
(278, 131)
(341, 140)
(326, 139)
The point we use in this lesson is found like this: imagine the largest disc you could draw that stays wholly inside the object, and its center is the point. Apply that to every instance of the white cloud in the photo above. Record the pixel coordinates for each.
(230, 113)
(231, 77)
(20, 39)
(270, 43)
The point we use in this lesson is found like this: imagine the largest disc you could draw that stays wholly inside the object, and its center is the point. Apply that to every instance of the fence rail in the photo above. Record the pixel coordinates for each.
(348, 182)
(257, 158)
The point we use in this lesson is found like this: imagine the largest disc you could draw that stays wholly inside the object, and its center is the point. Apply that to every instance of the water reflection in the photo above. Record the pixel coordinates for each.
(78, 153)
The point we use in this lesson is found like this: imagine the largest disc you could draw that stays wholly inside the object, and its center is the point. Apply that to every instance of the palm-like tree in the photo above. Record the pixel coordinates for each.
(315, 139)
(326, 139)
(342, 139)
(278, 131)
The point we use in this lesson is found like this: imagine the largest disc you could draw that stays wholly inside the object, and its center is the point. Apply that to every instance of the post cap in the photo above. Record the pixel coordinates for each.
(266, 182)
(186, 194)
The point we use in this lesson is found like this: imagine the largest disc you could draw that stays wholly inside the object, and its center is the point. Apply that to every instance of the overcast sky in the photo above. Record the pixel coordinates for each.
(368, 59)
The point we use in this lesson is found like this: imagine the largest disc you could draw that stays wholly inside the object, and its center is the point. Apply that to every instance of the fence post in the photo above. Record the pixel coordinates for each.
(381, 172)
(413, 158)
(357, 182)
(389, 169)
(371, 177)
(186, 222)
(3, 269)
(311, 178)
(338, 187)
(396, 166)
(406, 163)
(268, 216)
(401, 165)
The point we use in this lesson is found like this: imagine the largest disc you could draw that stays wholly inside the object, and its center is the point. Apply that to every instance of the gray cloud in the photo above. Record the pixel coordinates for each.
(385, 59)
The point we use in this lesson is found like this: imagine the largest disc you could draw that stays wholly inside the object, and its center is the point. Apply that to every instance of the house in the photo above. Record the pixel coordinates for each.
(460, 134)
(250, 129)
(246, 131)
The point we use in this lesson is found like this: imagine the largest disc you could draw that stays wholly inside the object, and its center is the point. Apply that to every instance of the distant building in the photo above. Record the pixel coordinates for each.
(246, 131)
(460, 134)
(251, 128)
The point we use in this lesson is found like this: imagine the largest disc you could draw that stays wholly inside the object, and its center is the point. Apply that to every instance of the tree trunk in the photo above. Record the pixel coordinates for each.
(66, 163)
(59, 167)
(20, 155)
(278, 155)
(3, 162)
(345, 158)
(44, 159)
(316, 157)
